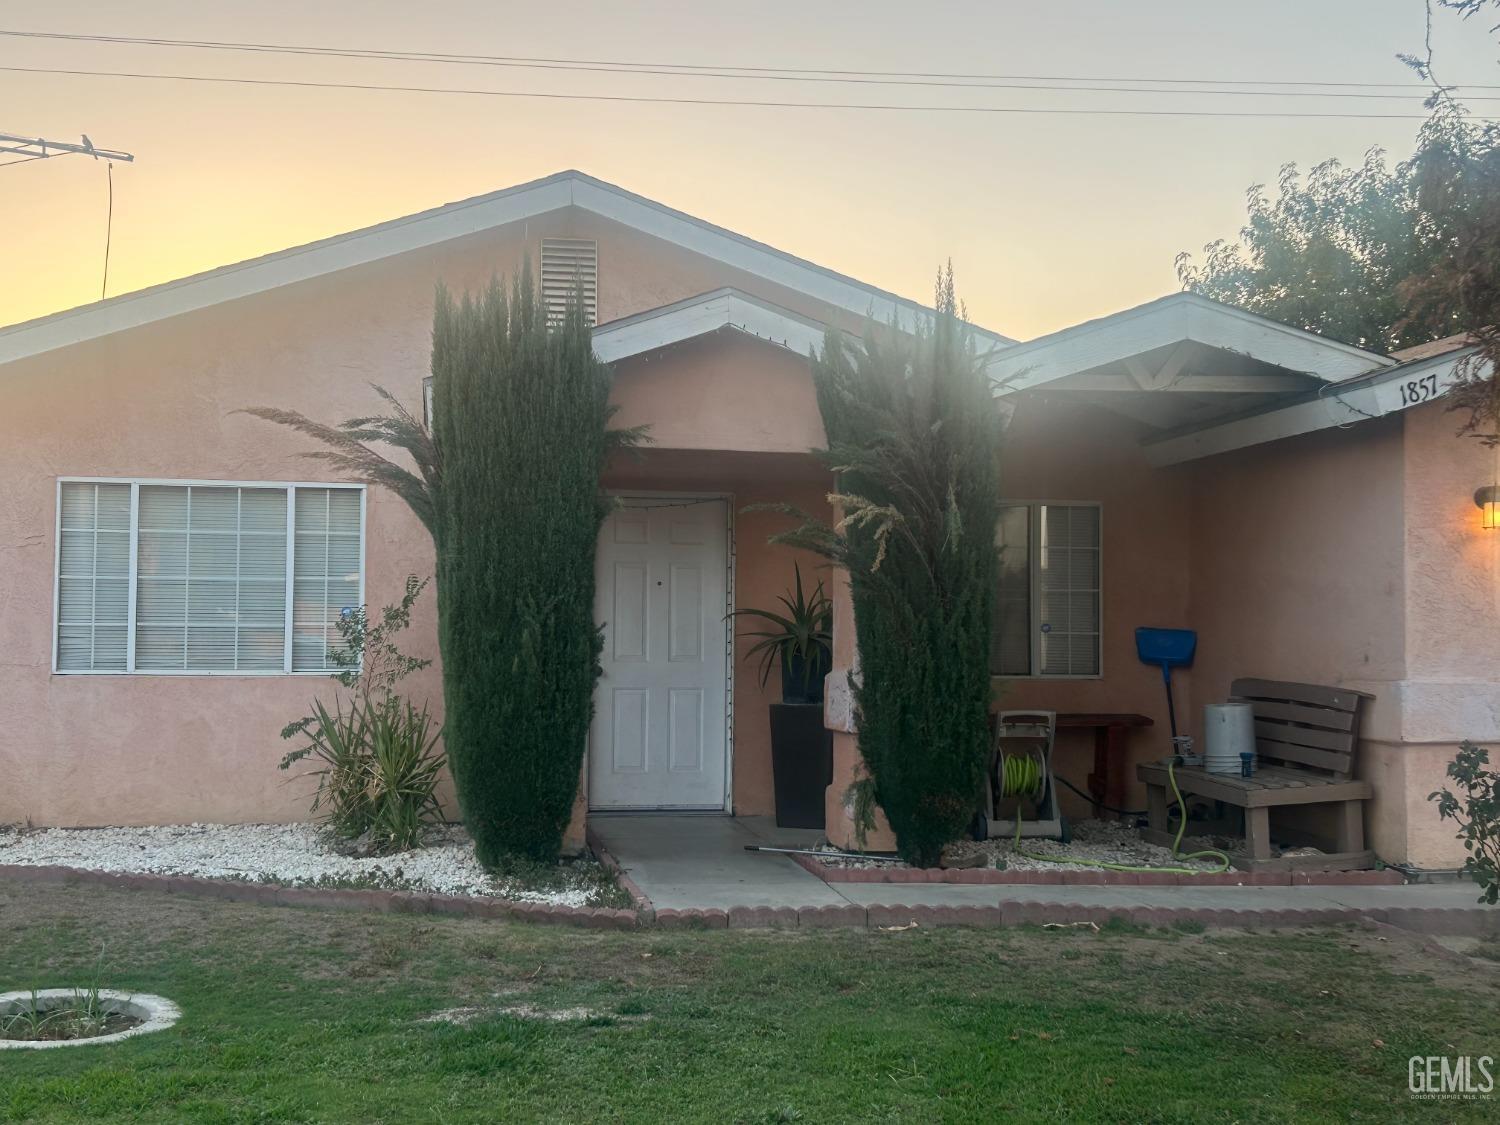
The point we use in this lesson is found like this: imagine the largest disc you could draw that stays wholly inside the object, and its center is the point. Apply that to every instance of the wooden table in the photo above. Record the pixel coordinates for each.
(1106, 782)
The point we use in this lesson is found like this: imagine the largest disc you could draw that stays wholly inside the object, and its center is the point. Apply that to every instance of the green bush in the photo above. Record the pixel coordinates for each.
(914, 435)
(521, 413)
(1475, 808)
(378, 763)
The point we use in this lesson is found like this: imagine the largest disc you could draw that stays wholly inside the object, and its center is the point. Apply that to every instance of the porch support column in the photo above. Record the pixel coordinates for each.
(838, 717)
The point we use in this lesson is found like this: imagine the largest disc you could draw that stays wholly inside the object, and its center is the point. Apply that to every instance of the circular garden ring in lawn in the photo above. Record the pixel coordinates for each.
(119, 1015)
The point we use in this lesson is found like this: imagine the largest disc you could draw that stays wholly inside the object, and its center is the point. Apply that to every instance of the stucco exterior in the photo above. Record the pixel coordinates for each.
(1357, 557)
(160, 401)
(1348, 556)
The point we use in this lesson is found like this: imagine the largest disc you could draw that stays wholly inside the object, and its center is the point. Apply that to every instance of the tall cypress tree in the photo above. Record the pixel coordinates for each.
(520, 412)
(507, 481)
(914, 435)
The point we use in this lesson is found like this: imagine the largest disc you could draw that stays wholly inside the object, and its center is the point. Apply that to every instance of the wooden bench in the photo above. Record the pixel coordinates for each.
(1306, 740)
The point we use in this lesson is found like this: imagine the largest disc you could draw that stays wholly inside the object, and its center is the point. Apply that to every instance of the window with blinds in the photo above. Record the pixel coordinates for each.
(204, 578)
(93, 576)
(1047, 608)
(570, 269)
(325, 573)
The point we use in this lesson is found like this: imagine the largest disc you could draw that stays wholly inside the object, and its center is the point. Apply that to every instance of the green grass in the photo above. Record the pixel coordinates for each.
(302, 1015)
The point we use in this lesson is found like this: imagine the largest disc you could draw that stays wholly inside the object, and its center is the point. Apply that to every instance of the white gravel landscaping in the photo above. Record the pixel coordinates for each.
(1095, 841)
(289, 854)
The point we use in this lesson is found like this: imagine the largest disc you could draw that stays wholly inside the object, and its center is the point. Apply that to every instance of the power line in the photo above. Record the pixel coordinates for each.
(656, 100)
(718, 70)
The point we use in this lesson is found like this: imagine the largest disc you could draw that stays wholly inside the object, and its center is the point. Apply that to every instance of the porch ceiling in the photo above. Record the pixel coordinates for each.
(1183, 385)
(1179, 363)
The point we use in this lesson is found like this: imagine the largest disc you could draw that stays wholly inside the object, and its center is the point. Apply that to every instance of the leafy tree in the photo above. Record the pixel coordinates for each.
(1458, 193)
(1327, 253)
(1385, 258)
(507, 482)
(914, 435)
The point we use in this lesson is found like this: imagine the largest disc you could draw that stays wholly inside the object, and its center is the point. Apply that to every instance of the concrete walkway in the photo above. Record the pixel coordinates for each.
(699, 863)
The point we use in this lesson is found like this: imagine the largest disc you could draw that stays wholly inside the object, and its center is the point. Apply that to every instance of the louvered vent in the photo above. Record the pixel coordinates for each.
(569, 264)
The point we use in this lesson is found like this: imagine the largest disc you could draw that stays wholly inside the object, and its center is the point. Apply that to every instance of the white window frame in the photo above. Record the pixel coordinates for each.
(136, 484)
(1034, 583)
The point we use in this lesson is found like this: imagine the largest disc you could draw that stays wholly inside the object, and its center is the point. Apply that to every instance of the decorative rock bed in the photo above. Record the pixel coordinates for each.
(135, 1013)
(1095, 844)
(292, 855)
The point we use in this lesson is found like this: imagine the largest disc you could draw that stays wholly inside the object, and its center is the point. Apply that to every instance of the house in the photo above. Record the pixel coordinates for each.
(172, 568)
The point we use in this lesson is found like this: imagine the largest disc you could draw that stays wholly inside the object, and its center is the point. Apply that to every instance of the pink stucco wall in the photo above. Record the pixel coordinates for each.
(159, 402)
(1452, 686)
(1059, 451)
(1356, 557)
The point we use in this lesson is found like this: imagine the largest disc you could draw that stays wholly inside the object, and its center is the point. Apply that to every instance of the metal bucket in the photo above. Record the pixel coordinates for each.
(1228, 732)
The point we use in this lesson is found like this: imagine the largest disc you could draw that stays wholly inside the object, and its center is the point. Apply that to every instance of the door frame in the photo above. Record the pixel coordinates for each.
(624, 496)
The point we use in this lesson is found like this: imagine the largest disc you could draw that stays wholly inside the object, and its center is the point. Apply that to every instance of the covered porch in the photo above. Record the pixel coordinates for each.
(1140, 486)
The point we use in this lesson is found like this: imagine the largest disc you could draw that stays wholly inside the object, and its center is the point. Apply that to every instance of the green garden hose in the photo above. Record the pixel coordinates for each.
(1021, 777)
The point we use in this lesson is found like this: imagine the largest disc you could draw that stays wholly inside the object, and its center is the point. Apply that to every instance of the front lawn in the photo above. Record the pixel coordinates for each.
(301, 1015)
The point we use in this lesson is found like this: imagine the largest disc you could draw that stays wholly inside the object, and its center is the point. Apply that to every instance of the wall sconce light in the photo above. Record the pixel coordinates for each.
(1487, 500)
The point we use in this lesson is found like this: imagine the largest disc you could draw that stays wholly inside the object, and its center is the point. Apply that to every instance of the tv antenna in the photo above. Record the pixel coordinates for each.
(18, 148)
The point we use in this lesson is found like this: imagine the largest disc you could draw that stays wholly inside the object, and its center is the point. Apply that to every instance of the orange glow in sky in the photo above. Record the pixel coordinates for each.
(1049, 220)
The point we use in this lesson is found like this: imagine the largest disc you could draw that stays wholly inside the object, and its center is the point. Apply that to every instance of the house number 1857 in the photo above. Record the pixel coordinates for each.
(1414, 391)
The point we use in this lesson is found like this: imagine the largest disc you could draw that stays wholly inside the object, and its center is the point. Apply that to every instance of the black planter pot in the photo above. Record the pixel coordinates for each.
(801, 683)
(801, 763)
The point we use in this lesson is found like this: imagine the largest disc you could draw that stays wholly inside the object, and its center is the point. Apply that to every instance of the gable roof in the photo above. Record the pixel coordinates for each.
(714, 311)
(455, 220)
(1351, 402)
(1173, 319)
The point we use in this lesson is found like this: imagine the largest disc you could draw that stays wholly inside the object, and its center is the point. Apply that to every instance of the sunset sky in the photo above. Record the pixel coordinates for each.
(1048, 219)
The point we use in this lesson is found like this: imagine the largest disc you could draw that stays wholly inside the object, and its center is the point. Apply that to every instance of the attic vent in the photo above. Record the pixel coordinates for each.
(567, 264)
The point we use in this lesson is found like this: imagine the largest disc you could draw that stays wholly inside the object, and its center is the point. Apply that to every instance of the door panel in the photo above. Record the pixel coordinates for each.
(658, 738)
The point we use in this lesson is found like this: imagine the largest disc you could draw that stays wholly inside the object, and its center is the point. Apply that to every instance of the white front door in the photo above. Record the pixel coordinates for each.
(659, 739)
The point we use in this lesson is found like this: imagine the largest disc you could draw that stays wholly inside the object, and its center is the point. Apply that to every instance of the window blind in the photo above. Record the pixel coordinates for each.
(211, 586)
(204, 578)
(325, 573)
(93, 576)
(1047, 598)
(1068, 589)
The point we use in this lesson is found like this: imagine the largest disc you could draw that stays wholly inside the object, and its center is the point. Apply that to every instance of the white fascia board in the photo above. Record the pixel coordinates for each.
(686, 320)
(1192, 384)
(456, 220)
(1387, 392)
(245, 279)
(1175, 319)
(757, 258)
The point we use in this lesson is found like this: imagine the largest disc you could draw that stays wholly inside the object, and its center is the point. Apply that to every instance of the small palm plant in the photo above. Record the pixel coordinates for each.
(801, 638)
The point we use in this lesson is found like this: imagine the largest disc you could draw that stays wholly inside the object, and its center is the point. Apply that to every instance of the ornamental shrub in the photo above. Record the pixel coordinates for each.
(520, 413)
(914, 436)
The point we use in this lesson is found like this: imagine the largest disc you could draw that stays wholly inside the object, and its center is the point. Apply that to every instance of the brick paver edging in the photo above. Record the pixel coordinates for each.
(1066, 876)
(1470, 922)
(605, 857)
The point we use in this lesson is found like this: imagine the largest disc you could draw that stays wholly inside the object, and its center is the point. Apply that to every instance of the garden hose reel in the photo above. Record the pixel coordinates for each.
(1020, 793)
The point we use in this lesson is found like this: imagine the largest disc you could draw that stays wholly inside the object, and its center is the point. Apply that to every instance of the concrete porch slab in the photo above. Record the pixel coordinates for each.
(699, 862)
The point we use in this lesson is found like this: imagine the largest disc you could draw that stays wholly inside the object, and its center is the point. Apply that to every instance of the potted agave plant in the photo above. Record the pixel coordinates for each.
(798, 638)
